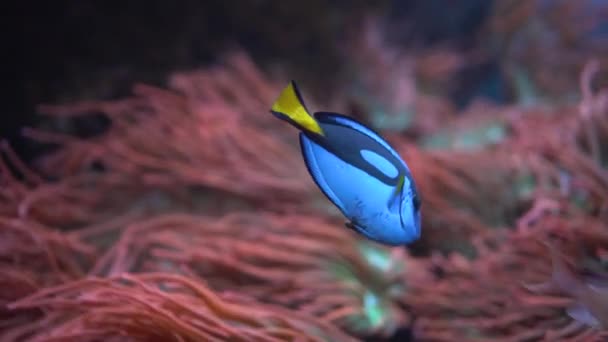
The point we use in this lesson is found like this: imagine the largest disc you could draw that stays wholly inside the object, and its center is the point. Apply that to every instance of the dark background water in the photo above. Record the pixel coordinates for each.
(67, 50)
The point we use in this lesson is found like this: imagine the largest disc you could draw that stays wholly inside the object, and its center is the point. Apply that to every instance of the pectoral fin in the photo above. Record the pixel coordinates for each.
(395, 197)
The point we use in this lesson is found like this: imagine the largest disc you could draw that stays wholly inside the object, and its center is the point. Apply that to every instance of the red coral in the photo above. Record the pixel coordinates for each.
(160, 307)
(145, 254)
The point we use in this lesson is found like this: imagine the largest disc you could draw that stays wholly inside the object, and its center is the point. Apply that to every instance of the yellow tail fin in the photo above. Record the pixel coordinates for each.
(290, 107)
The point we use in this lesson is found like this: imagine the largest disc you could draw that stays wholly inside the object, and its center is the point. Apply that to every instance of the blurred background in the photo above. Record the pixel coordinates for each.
(505, 52)
(140, 166)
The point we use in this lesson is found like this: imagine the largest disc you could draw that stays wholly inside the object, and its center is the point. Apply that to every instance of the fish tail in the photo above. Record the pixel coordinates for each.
(290, 107)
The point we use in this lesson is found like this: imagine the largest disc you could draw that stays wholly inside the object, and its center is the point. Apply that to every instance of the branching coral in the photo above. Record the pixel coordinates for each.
(33, 256)
(455, 188)
(35, 259)
(213, 132)
(306, 264)
(140, 260)
(385, 90)
(534, 39)
(69, 202)
(541, 154)
(517, 288)
(161, 307)
(486, 298)
(203, 135)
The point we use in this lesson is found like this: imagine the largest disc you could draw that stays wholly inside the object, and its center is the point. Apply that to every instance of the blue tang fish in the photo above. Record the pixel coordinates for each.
(360, 173)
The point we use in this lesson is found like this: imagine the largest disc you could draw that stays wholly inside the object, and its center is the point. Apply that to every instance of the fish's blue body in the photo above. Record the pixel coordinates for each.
(360, 173)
